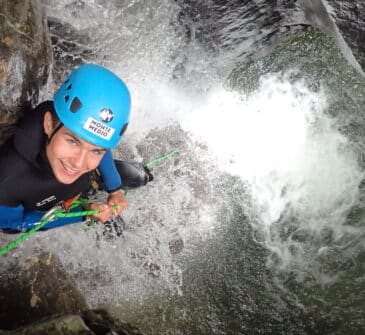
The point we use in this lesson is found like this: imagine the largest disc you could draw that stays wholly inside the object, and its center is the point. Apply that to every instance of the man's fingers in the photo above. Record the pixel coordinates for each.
(116, 209)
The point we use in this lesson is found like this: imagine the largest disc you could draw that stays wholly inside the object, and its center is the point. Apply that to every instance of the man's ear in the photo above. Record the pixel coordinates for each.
(47, 124)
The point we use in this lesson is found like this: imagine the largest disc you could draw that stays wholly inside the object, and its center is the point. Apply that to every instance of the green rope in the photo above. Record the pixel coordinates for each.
(14, 243)
(44, 221)
(76, 214)
(61, 214)
(76, 203)
(159, 159)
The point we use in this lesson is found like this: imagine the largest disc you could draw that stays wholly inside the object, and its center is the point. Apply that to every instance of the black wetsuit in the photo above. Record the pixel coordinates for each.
(25, 175)
(28, 187)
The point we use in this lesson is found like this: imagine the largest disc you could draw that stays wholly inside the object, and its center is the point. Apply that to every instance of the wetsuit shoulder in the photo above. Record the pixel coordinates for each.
(29, 135)
(13, 166)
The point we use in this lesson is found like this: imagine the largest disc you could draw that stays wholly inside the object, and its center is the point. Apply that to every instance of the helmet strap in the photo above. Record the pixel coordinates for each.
(55, 130)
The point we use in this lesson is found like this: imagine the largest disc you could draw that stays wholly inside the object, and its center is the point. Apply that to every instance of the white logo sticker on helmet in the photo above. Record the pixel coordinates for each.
(106, 115)
(98, 128)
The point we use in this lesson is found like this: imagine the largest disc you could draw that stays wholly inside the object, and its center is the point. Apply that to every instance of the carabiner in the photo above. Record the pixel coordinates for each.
(51, 214)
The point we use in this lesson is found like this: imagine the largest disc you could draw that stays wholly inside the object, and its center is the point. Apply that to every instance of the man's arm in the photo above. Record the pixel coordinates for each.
(109, 173)
(113, 184)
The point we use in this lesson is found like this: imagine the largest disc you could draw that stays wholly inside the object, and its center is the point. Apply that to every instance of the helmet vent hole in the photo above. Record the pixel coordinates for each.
(69, 87)
(75, 105)
(67, 98)
(123, 129)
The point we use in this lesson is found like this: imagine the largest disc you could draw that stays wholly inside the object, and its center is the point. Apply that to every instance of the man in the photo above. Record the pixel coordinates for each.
(56, 148)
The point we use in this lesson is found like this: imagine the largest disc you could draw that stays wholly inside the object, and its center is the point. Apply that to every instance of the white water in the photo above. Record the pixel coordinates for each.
(278, 140)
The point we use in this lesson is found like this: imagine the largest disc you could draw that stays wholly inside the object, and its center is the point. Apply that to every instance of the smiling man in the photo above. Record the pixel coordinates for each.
(69, 155)
(56, 148)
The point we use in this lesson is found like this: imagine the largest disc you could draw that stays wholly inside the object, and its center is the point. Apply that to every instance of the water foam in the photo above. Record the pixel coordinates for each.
(281, 142)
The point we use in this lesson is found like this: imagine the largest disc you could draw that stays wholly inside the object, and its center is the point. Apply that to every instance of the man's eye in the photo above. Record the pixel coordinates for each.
(98, 152)
(71, 141)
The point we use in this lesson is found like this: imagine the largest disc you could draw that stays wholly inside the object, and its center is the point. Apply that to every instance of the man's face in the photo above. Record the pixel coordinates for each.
(69, 155)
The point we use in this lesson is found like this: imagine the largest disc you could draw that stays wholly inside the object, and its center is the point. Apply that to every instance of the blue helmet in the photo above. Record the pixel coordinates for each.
(94, 104)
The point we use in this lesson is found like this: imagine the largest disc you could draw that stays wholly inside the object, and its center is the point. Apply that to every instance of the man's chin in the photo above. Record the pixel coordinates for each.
(66, 179)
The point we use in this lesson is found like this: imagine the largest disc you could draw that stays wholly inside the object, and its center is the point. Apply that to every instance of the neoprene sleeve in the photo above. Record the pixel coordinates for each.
(109, 173)
(16, 218)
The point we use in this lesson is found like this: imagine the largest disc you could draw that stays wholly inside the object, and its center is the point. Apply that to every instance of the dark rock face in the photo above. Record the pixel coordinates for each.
(25, 58)
(40, 288)
(60, 325)
(92, 322)
(349, 17)
(345, 22)
(69, 48)
(249, 29)
(38, 297)
(101, 322)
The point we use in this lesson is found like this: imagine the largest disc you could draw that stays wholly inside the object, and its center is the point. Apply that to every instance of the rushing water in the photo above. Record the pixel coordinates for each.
(257, 227)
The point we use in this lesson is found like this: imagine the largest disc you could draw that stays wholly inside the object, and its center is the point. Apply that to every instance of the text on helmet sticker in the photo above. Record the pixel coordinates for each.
(98, 128)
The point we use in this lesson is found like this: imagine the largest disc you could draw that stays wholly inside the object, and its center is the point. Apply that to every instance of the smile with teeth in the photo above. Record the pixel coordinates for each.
(69, 169)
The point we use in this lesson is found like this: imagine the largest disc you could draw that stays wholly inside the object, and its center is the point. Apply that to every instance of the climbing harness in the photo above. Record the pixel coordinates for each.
(53, 214)
(64, 210)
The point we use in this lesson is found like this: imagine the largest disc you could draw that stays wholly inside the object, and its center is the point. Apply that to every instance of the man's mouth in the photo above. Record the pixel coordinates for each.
(70, 170)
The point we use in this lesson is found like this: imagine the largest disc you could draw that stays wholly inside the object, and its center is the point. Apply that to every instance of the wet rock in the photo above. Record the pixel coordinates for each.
(176, 245)
(63, 325)
(39, 298)
(70, 48)
(246, 29)
(26, 57)
(350, 20)
(161, 141)
(102, 322)
(345, 22)
(39, 288)
(92, 322)
(250, 29)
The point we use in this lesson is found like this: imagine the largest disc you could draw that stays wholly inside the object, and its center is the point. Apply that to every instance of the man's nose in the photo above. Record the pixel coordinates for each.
(79, 159)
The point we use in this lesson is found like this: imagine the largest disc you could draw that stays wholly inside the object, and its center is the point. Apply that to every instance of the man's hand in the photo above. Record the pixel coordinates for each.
(118, 200)
(105, 212)
(115, 205)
